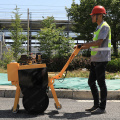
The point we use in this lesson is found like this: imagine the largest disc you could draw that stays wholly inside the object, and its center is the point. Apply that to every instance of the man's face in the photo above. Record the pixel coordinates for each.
(93, 18)
(99, 17)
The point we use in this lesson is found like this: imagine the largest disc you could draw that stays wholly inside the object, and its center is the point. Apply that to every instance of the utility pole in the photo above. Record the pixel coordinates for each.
(2, 42)
(28, 33)
(68, 27)
(1, 47)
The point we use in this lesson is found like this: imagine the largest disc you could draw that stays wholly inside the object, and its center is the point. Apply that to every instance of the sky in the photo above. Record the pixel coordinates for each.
(37, 8)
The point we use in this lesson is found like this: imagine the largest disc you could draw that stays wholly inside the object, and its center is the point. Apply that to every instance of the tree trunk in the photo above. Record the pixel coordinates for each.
(115, 48)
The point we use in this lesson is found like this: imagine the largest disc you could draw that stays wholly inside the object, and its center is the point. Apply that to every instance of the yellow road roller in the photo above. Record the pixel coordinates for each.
(33, 81)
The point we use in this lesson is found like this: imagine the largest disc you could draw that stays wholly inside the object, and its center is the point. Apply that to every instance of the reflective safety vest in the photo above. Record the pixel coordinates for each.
(95, 49)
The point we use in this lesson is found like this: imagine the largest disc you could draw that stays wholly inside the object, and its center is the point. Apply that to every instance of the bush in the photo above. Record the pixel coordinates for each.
(79, 62)
(113, 65)
(55, 64)
(86, 53)
(7, 58)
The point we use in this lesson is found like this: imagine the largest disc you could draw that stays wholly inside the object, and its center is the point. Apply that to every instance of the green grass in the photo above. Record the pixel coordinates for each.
(76, 73)
(3, 70)
(85, 74)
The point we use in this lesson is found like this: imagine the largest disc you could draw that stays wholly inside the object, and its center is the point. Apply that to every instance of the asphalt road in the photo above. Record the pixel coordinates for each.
(71, 109)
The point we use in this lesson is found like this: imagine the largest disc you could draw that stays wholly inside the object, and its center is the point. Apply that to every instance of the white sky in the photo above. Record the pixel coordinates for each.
(37, 8)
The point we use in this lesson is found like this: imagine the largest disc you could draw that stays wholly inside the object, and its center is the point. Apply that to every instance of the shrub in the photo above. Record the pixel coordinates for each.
(86, 53)
(7, 58)
(55, 64)
(113, 65)
(79, 62)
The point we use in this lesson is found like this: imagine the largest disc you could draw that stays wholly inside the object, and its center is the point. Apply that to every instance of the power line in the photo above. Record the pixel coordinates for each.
(7, 4)
(34, 5)
(35, 12)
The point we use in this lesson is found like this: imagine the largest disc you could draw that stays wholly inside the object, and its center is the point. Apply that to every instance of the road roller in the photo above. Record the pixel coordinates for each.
(34, 83)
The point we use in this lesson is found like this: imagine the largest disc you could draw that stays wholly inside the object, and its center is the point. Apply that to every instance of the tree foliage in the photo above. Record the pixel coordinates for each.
(7, 58)
(16, 34)
(53, 39)
(80, 15)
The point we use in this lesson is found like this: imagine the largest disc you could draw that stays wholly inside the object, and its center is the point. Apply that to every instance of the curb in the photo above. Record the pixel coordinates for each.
(9, 92)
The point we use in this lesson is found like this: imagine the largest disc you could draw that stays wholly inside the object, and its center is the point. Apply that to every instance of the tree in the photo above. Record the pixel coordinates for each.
(79, 14)
(113, 18)
(16, 34)
(53, 39)
(7, 58)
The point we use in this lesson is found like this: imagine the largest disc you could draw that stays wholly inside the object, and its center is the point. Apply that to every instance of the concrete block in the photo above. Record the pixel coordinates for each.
(2, 93)
(11, 94)
(113, 95)
(65, 93)
(50, 94)
(62, 93)
(82, 95)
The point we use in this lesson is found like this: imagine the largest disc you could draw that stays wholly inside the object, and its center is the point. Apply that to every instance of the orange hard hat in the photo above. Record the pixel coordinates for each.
(98, 10)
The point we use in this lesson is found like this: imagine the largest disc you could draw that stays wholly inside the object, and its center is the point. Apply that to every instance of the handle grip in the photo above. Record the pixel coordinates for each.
(79, 46)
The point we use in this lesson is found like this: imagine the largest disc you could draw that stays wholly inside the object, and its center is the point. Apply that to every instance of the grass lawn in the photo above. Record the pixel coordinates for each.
(3, 70)
(77, 73)
(85, 73)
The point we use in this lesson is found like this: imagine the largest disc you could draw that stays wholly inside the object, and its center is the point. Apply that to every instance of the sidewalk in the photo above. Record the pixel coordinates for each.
(9, 92)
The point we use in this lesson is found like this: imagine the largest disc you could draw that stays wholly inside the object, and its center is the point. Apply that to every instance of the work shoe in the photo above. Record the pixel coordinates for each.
(98, 111)
(91, 109)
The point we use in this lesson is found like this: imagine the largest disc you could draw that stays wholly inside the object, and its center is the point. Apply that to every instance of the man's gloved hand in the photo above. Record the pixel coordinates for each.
(78, 46)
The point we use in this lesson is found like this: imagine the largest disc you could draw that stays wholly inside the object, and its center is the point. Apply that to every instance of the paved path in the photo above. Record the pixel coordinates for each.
(71, 109)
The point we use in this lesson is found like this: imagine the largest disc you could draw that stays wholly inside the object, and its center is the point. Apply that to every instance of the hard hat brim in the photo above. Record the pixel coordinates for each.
(98, 13)
(91, 14)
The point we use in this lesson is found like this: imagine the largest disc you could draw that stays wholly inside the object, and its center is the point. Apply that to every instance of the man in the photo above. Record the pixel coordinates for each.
(100, 55)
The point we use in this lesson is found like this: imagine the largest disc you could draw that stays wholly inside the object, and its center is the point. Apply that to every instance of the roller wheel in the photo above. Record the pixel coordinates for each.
(36, 105)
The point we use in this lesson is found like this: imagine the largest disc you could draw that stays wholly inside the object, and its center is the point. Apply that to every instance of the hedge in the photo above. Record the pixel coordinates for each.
(56, 64)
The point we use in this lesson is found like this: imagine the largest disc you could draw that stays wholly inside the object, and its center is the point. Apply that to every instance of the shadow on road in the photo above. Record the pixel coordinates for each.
(75, 115)
(52, 114)
(21, 114)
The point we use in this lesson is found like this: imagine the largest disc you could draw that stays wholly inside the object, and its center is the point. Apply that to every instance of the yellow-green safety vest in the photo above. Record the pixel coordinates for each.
(95, 49)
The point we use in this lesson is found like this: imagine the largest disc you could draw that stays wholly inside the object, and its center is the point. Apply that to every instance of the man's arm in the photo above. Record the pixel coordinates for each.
(94, 43)
(102, 35)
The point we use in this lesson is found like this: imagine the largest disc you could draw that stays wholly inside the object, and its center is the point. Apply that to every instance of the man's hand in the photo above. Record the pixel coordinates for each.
(78, 46)
(75, 47)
